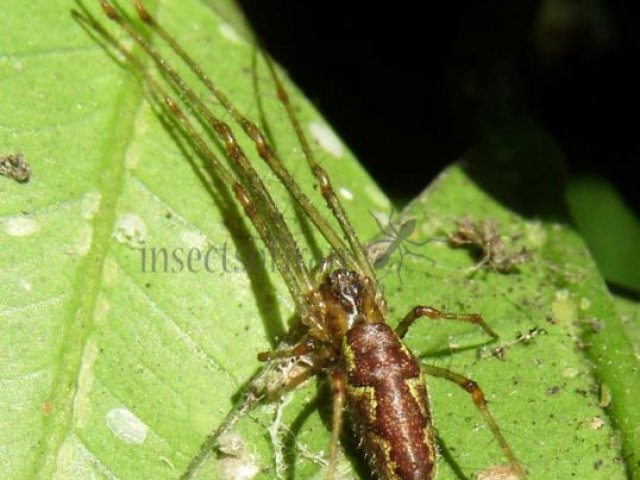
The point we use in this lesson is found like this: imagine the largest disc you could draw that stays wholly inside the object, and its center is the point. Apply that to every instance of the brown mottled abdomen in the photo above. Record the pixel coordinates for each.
(387, 403)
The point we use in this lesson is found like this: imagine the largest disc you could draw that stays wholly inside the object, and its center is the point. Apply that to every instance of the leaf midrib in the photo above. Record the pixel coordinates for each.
(79, 324)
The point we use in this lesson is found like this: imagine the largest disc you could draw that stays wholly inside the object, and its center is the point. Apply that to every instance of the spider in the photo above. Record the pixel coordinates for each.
(341, 331)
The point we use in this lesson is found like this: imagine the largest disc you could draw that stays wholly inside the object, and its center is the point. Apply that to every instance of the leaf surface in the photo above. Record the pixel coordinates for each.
(112, 367)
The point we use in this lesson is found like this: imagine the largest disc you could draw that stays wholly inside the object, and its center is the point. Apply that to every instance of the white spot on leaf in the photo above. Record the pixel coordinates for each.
(110, 272)
(238, 464)
(326, 139)
(90, 205)
(536, 234)
(126, 426)
(585, 303)
(101, 310)
(346, 193)
(132, 158)
(570, 372)
(232, 468)
(131, 230)
(21, 226)
(229, 33)
(83, 245)
(141, 125)
(82, 402)
(193, 239)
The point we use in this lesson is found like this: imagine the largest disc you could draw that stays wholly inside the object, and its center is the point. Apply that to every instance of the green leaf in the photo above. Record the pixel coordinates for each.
(90, 341)
(609, 227)
(111, 370)
(629, 312)
(549, 391)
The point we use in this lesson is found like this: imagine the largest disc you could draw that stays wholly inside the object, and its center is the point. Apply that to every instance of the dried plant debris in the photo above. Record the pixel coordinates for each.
(236, 463)
(15, 166)
(484, 240)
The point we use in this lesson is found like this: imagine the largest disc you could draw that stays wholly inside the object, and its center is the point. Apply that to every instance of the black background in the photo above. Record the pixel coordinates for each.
(385, 78)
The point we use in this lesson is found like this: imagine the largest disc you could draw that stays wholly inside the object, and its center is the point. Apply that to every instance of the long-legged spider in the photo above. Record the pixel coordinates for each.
(341, 330)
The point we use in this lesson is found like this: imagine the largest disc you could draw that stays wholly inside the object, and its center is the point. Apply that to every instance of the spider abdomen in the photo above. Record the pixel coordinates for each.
(387, 403)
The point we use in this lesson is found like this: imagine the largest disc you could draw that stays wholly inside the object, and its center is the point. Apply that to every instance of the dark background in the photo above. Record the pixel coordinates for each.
(407, 90)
